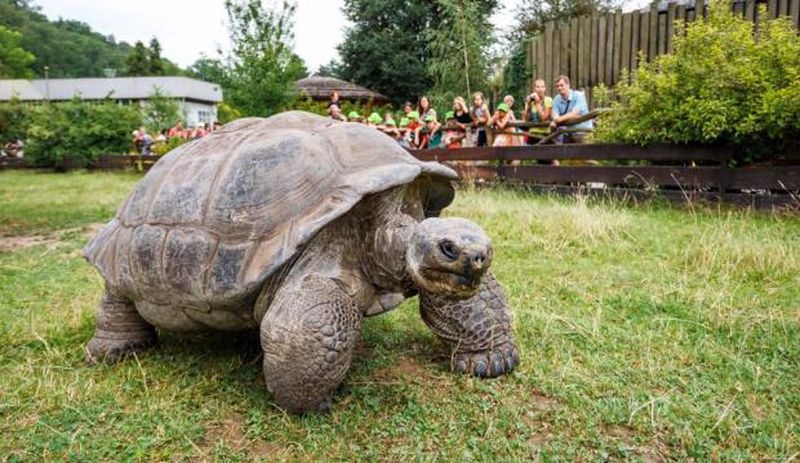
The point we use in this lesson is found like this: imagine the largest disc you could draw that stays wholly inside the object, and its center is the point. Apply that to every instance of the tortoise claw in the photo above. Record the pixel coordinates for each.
(489, 364)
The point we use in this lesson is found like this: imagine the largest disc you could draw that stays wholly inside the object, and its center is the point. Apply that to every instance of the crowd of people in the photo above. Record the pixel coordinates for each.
(420, 127)
(143, 142)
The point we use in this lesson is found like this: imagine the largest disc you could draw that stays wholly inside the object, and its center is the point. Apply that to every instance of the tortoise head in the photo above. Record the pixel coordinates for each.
(448, 260)
(448, 257)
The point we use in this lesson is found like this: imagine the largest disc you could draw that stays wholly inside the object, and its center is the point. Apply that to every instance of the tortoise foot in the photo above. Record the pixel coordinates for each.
(499, 361)
(113, 349)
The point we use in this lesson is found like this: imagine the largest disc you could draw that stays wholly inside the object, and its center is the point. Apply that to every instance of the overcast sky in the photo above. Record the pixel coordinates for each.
(188, 28)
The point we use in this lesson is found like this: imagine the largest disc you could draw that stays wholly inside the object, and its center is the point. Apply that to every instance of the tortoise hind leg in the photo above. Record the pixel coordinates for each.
(308, 335)
(120, 330)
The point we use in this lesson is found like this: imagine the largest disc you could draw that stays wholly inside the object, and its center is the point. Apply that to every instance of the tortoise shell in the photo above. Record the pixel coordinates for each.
(214, 218)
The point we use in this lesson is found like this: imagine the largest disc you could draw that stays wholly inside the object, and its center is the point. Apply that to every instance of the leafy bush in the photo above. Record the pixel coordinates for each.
(13, 120)
(79, 130)
(728, 81)
(160, 149)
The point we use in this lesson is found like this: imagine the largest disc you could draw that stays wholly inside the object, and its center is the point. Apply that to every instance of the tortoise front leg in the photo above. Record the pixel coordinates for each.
(120, 330)
(308, 335)
(477, 330)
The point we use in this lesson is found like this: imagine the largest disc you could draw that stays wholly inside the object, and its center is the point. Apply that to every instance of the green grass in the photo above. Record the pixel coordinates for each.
(646, 333)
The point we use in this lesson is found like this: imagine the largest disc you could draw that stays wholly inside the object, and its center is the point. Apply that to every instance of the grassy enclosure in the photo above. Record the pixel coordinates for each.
(648, 332)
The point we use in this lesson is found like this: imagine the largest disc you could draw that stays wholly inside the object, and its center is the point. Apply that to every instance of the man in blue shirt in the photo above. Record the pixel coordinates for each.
(567, 105)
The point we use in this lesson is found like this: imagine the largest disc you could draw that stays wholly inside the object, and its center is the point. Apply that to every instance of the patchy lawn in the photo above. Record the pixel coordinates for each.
(650, 333)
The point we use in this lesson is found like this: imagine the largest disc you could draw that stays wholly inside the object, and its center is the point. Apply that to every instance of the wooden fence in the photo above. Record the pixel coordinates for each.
(595, 49)
(674, 172)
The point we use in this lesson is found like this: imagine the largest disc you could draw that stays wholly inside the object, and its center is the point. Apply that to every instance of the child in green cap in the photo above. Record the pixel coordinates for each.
(353, 116)
(505, 135)
(374, 120)
(429, 136)
(405, 133)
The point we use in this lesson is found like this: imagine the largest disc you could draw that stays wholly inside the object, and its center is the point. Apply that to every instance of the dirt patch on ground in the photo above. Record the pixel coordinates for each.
(231, 433)
(14, 243)
(404, 369)
(627, 435)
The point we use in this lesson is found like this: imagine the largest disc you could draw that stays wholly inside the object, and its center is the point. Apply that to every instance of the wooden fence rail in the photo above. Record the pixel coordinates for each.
(596, 49)
(674, 172)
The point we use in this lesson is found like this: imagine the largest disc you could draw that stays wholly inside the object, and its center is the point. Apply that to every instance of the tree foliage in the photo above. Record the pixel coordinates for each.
(727, 81)
(137, 63)
(147, 61)
(13, 120)
(260, 72)
(15, 61)
(458, 49)
(154, 59)
(407, 48)
(385, 50)
(160, 111)
(77, 129)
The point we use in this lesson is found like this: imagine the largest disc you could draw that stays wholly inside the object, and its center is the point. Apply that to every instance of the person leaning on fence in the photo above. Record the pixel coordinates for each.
(568, 105)
(504, 135)
(480, 117)
(538, 108)
(430, 135)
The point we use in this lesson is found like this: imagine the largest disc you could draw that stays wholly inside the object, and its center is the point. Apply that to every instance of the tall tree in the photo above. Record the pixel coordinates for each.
(15, 61)
(155, 62)
(262, 67)
(385, 49)
(138, 61)
(458, 49)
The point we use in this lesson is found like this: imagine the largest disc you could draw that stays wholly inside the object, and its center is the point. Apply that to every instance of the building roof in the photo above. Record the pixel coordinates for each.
(320, 88)
(117, 88)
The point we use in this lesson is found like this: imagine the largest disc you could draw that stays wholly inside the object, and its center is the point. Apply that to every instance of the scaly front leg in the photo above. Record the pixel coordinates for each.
(477, 330)
(308, 335)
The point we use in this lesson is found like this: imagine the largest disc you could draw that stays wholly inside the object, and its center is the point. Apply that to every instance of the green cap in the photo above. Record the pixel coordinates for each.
(392, 123)
(404, 122)
(413, 115)
(449, 115)
(502, 107)
(353, 115)
(375, 118)
(430, 118)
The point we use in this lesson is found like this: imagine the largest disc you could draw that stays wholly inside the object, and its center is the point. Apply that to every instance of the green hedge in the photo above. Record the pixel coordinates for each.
(728, 81)
(75, 129)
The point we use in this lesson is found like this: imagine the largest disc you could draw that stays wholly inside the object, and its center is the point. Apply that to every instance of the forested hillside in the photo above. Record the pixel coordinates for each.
(69, 48)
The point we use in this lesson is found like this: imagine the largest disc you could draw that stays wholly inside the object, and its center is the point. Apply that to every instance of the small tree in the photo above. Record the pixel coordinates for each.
(160, 111)
(262, 67)
(458, 49)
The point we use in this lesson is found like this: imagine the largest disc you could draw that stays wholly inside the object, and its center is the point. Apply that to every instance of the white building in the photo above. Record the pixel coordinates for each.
(198, 99)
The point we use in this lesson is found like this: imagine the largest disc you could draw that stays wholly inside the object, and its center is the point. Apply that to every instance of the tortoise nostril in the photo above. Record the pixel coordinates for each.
(478, 259)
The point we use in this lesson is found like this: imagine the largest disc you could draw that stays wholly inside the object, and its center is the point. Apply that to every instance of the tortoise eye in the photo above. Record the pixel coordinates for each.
(449, 249)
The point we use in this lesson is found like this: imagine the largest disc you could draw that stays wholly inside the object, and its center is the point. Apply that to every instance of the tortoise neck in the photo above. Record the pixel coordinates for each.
(393, 225)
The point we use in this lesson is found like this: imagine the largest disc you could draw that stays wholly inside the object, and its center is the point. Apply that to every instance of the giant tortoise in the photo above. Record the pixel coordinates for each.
(299, 226)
